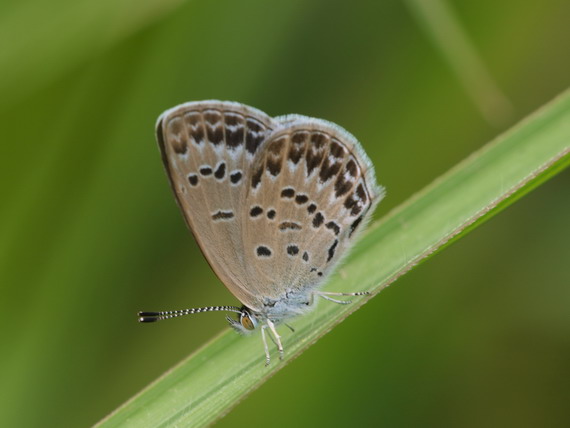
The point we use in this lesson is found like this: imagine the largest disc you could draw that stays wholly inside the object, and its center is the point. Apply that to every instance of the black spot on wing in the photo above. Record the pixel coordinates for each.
(301, 199)
(313, 159)
(334, 227)
(332, 250)
(235, 177)
(212, 117)
(256, 211)
(342, 186)
(235, 129)
(214, 126)
(198, 135)
(263, 251)
(336, 149)
(205, 171)
(176, 137)
(215, 135)
(298, 145)
(354, 225)
(361, 193)
(329, 170)
(273, 165)
(288, 192)
(292, 250)
(195, 126)
(289, 225)
(318, 219)
(220, 171)
(319, 139)
(352, 204)
(254, 134)
(223, 215)
(179, 146)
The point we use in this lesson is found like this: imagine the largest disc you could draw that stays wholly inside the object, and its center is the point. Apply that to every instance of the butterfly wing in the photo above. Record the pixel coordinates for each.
(312, 188)
(208, 148)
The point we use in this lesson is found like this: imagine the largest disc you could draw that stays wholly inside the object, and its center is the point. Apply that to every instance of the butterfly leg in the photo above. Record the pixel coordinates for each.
(277, 338)
(332, 293)
(267, 357)
(289, 327)
(326, 294)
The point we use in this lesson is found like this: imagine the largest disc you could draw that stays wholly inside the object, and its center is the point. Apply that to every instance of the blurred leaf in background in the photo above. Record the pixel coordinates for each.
(90, 234)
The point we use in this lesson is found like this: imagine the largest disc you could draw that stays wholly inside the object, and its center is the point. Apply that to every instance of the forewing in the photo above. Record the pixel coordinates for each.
(311, 190)
(208, 149)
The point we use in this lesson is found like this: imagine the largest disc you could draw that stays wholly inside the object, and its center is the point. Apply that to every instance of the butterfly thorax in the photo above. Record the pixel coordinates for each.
(290, 304)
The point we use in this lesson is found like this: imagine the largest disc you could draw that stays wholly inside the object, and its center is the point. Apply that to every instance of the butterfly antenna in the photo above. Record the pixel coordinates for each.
(164, 315)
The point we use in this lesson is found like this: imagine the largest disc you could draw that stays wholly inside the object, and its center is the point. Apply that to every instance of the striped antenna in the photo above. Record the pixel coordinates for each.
(164, 315)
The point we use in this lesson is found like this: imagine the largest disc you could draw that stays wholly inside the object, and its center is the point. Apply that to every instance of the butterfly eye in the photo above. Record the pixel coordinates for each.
(248, 321)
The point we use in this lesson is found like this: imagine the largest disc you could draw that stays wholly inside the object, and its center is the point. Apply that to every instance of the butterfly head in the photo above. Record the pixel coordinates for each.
(246, 323)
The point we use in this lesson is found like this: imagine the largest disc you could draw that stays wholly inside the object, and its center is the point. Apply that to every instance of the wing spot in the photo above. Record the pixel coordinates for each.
(361, 193)
(299, 137)
(235, 177)
(354, 225)
(273, 165)
(179, 146)
(263, 251)
(256, 211)
(220, 171)
(223, 215)
(334, 227)
(306, 256)
(205, 171)
(271, 214)
(176, 137)
(214, 126)
(289, 225)
(332, 250)
(311, 208)
(351, 168)
(198, 135)
(288, 192)
(315, 153)
(255, 134)
(336, 149)
(352, 204)
(193, 179)
(319, 139)
(301, 199)
(341, 186)
(329, 170)
(292, 250)
(213, 117)
(318, 219)
(234, 129)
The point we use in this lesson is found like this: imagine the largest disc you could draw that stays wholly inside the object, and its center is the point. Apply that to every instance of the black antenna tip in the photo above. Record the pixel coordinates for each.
(148, 316)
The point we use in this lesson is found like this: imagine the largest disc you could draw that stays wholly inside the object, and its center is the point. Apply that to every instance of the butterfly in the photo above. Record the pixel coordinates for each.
(273, 203)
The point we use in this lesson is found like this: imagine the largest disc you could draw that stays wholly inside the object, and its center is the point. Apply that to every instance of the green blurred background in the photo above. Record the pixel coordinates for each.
(90, 233)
